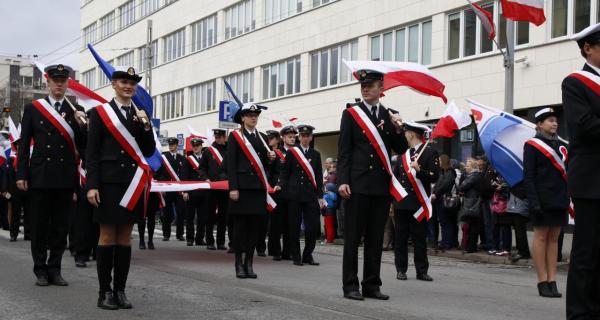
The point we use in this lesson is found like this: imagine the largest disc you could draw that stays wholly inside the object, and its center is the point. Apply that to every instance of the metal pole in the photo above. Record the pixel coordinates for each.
(509, 67)
(148, 62)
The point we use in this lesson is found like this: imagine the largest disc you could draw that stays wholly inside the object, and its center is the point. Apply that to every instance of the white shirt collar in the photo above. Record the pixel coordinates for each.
(304, 149)
(595, 68)
(369, 107)
(199, 155)
(52, 101)
(417, 146)
(120, 104)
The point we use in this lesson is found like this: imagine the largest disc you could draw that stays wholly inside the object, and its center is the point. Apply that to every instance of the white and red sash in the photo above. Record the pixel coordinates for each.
(364, 122)
(184, 186)
(280, 154)
(216, 155)
(556, 161)
(143, 175)
(82, 173)
(169, 169)
(193, 162)
(252, 156)
(591, 80)
(426, 209)
(305, 165)
(57, 121)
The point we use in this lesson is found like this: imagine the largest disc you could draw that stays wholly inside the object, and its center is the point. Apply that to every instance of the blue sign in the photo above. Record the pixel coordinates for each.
(226, 111)
(181, 141)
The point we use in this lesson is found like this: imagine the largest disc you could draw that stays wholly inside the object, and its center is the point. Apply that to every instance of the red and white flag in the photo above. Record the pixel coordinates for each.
(452, 120)
(412, 75)
(524, 10)
(276, 124)
(486, 18)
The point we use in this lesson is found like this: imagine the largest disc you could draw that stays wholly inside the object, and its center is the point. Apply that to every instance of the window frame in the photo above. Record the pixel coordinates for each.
(352, 47)
(168, 105)
(394, 34)
(594, 18)
(237, 78)
(281, 74)
(205, 105)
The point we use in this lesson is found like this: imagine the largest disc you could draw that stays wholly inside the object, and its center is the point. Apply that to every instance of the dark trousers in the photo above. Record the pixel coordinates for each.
(217, 215)
(502, 237)
(583, 282)
(85, 231)
(19, 208)
(470, 234)
(433, 227)
(364, 215)
(309, 212)
(150, 218)
(486, 225)
(4, 214)
(195, 209)
(407, 225)
(448, 224)
(519, 223)
(263, 227)
(277, 229)
(245, 231)
(174, 209)
(50, 210)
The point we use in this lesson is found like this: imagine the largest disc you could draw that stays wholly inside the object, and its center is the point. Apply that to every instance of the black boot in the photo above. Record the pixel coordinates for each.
(239, 267)
(554, 289)
(544, 289)
(248, 265)
(141, 231)
(104, 266)
(122, 262)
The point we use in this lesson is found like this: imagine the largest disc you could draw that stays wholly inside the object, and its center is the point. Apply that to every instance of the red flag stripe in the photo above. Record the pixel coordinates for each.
(524, 10)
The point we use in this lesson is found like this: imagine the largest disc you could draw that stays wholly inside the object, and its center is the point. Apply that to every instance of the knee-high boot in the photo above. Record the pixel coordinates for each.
(122, 263)
(248, 259)
(104, 263)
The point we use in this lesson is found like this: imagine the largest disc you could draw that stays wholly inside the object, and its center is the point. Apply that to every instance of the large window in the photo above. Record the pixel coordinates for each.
(127, 14)
(280, 79)
(572, 16)
(172, 105)
(107, 25)
(202, 97)
(276, 10)
(412, 43)
(148, 6)
(174, 45)
(142, 63)
(125, 60)
(242, 85)
(88, 78)
(204, 33)
(240, 18)
(102, 78)
(316, 3)
(327, 66)
(89, 34)
(521, 32)
(582, 15)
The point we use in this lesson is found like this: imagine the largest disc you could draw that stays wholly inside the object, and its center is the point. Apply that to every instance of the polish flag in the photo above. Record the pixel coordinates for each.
(13, 132)
(524, 10)
(487, 21)
(409, 74)
(451, 121)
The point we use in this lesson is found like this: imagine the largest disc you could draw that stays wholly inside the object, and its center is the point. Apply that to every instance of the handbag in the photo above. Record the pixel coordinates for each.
(499, 203)
(470, 209)
(451, 200)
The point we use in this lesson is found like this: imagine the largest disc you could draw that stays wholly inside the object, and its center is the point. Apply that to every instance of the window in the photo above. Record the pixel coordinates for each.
(89, 34)
(202, 97)
(485, 43)
(204, 33)
(172, 105)
(242, 85)
(412, 43)
(280, 79)
(559, 18)
(148, 6)
(142, 63)
(125, 60)
(88, 78)
(572, 16)
(327, 66)
(276, 10)
(27, 81)
(521, 32)
(583, 15)
(102, 78)
(316, 3)
(174, 45)
(454, 36)
(240, 18)
(127, 13)
(107, 25)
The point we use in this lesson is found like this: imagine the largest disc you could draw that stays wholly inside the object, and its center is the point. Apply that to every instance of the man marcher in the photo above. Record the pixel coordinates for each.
(19, 203)
(416, 174)
(174, 204)
(581, 102)
(364, 180)
(195, 200)
(263, 225)
(301, 177)
(50, 173)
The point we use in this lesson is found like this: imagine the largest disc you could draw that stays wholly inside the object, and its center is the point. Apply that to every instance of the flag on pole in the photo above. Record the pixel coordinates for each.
(451, 121)
(412, 75)
(524, 10)
(486, 18)
(13, 132)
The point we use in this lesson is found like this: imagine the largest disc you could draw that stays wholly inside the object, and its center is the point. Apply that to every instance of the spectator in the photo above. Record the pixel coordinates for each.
(329, 212)
(445, 203)
(487, 191)
(471, 208)
(502, 221)
(518, 212)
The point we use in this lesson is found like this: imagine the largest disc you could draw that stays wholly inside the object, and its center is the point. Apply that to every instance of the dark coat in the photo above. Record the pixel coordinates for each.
(295, 181)
(240, 173)
(188, 173)
(428, 174)
(176, 163)
(52, 164)
(358, 163)
(582, 110)
(209, 166)
(470, 186)
(445, 183)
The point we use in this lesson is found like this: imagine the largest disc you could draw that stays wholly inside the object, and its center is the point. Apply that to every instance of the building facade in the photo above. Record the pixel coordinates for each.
(287, 54)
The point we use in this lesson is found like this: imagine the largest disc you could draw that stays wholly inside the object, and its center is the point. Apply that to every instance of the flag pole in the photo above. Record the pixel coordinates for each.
(83, 120)
(509, 67)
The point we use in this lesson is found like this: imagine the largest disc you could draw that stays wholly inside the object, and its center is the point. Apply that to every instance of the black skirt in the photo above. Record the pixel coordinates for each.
(111, 212)
(550, 218)
(251, 202)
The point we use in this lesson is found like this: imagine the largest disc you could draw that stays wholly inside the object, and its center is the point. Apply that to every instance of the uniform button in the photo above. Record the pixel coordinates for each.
(371, 155)
(371, 167)
(61, 160)
(122, 165)
(122, 152)
(49, 133)
(48, 146)
(41, 122)
(62, 147)
(133, 165)
(48, 159)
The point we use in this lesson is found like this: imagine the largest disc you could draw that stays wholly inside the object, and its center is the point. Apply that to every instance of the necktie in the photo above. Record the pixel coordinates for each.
(57, 106)
(412, 153)
(252, 135)
(127, 110)
(374, 111)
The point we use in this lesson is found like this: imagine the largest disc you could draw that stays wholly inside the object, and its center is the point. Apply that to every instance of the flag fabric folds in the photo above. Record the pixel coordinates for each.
(452, 120)
(524, 10)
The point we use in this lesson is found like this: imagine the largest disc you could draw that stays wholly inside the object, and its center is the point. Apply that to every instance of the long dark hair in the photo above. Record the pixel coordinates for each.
(445, 163)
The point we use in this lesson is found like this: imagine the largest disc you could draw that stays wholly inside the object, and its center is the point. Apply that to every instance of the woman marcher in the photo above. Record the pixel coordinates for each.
(548, 197)
(471, 208)
(445, 203)
(247, 189)
(113, 128)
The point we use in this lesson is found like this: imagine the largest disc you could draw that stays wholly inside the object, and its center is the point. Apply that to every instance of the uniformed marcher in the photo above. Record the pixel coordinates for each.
(195, 200)
(581, 103)
(212, 165)
(301, 176)
(50, 173)
(365, 182)
(18, 200)
(416, 174)
(120, 138)
(174, 205)
(149, 221)
(263, 226)
(248, 185)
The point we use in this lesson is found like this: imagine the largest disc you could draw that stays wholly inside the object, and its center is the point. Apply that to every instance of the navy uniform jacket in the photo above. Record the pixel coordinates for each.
(209, 166)
(429, 173)
(295, 182)
(582, 110)
(188, 173)
(276, 169)
(52, 164)
(176, 163)
(358, 164)
(240, 173)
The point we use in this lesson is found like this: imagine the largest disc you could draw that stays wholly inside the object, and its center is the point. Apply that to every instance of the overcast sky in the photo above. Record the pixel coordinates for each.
(39, 27)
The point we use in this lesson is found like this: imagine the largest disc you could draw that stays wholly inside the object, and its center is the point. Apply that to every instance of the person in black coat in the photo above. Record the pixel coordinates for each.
(149, 221)
(247, 193)
(19, 203)
(174, 205)
(426, 170)
(364, 183)
(548, 198)
(263, 225)
(50, 173)
(195, 201)
(444, 187)
(110, 171)
(470, 188)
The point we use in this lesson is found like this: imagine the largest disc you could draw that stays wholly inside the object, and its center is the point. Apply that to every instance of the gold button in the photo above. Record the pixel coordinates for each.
(122, 152)
(48, 159)
(62, 147)
(371, 167)
(122, 165)
(49, 133)
(61, 160)
(133, 165)
(48, 146)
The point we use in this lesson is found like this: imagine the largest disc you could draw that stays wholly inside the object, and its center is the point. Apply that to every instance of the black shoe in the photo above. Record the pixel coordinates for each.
(180, 238)
(121, 300)
(544, 289)
(211, 247)
(518, 257)
(298, 263)
(165, 239)
(285, 257)
(150, 245)
(554, 289)
(221, 247)
(142, 245)
(58, 280)
(240, 272)
(261, 254)
(80, 264)
(190, 243)
(424, 277)
(375, 295)
(106, 301)
(311, 263)
(353, 295)
(200, 242)
(401, 276)
(42, 281)
(248, 259)
(276, 258)
(12, 239)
